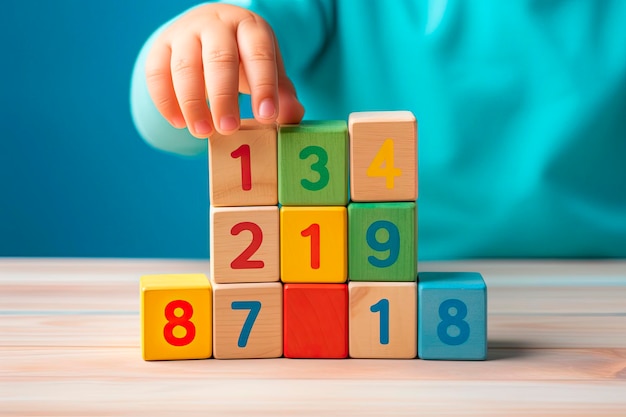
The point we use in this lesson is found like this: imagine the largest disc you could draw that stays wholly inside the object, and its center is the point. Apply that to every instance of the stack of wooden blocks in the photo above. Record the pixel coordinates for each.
(303, 268)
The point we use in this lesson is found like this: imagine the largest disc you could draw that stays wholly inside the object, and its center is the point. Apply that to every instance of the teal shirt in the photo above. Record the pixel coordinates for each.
(521, 109)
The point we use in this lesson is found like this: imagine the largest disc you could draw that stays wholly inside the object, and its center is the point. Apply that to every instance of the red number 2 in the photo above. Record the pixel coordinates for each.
(314, 232)
(243, 261)
(183, 321)
(243, 152)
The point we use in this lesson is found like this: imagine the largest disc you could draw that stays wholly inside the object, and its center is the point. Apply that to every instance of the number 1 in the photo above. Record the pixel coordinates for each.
(243, 152)
(314, 232)
(382, 307)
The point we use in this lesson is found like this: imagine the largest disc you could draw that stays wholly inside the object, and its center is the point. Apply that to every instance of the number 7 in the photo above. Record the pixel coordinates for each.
(254, 307)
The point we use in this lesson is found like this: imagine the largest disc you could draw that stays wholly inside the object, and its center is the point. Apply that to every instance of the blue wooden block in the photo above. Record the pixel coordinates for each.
(452, 316)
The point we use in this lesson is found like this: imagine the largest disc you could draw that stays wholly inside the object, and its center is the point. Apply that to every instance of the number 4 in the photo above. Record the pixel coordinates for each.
(383, 164)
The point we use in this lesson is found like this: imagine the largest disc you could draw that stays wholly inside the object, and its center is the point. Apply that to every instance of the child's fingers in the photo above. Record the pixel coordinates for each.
(258, 57)
(160, 88)
(220, 58)
(188, 82)
(291, 110)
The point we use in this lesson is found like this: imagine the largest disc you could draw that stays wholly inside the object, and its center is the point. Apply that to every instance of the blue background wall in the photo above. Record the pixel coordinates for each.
(75, 177)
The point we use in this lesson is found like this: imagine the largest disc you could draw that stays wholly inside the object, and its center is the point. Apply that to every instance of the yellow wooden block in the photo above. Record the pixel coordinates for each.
(244, 244)
(176, 316)
(243, 169)
(382, 319)
(383, 156)
(248, 320)
(313, 244)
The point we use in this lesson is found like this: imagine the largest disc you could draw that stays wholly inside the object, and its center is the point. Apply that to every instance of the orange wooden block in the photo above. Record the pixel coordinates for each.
(315, 320)
(243, 168)
(244, 244)
(383, 156)
(247, 320)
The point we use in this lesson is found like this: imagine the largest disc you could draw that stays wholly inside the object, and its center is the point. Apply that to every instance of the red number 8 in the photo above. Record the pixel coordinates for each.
(173, 320)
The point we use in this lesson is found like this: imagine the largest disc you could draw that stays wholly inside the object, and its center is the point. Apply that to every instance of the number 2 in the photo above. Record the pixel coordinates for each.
(243, 260)
(254, 307)
(383, 164)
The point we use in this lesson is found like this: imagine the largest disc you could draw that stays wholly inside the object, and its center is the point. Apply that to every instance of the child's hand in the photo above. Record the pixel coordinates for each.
(214, 52)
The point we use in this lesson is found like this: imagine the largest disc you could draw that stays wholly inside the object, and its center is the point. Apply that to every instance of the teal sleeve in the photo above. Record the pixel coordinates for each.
(301, 28)
(152, 127)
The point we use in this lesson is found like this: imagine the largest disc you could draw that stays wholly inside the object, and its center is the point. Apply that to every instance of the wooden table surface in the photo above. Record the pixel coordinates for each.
(69, 346)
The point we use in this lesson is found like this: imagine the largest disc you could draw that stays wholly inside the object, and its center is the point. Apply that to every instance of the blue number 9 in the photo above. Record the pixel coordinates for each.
(391, 245)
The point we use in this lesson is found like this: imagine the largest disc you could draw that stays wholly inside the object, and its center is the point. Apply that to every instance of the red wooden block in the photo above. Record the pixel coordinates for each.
(315, 320)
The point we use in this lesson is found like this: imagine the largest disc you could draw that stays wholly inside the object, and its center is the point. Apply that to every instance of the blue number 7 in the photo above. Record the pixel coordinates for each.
(254, 307)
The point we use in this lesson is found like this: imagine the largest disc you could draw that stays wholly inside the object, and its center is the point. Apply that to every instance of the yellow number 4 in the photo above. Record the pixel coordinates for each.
(383, 165)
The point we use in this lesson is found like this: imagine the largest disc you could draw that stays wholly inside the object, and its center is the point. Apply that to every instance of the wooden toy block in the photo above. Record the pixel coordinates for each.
(315, 320)
(247, 320)
(452, 316)
(314, 244)
(243, 167)
(313, 164)
(176, 317)
(244, 244)
(383, 319)
(382, 241)
(383, 156)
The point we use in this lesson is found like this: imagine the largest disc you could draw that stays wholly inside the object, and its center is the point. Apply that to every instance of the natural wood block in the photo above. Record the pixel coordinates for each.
(315, 320)
(243, 170)
(383, 156)
(313, 164)
(382, 241)
(176, 317)
(244, 244)
(314, 244)
(247, 320)
(383, 319)
(452, 316)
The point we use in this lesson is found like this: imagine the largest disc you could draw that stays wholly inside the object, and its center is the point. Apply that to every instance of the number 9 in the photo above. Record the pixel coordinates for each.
(391, 245)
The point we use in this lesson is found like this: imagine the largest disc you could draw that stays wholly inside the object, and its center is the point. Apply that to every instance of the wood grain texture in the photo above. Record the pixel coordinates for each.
(70, 346)
(253, 328)
(244, 177)
(382, 241)
(313, 163)
(383, 156)
(244, 244)
(386, 330)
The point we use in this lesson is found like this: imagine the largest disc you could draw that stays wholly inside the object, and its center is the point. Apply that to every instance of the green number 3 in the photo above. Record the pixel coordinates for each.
(318, 166)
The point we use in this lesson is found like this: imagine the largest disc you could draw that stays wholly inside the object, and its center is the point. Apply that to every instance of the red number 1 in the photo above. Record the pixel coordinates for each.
(314, 232)
(243, 152)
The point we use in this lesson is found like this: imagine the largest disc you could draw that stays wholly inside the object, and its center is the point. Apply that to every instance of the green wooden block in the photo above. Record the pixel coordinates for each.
(382, 241)
(313, 164)
(452, 316)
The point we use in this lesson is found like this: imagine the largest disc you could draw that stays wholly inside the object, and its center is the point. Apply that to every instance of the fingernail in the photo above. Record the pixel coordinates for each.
(228, 123)
(202, 128)
(267, 109)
